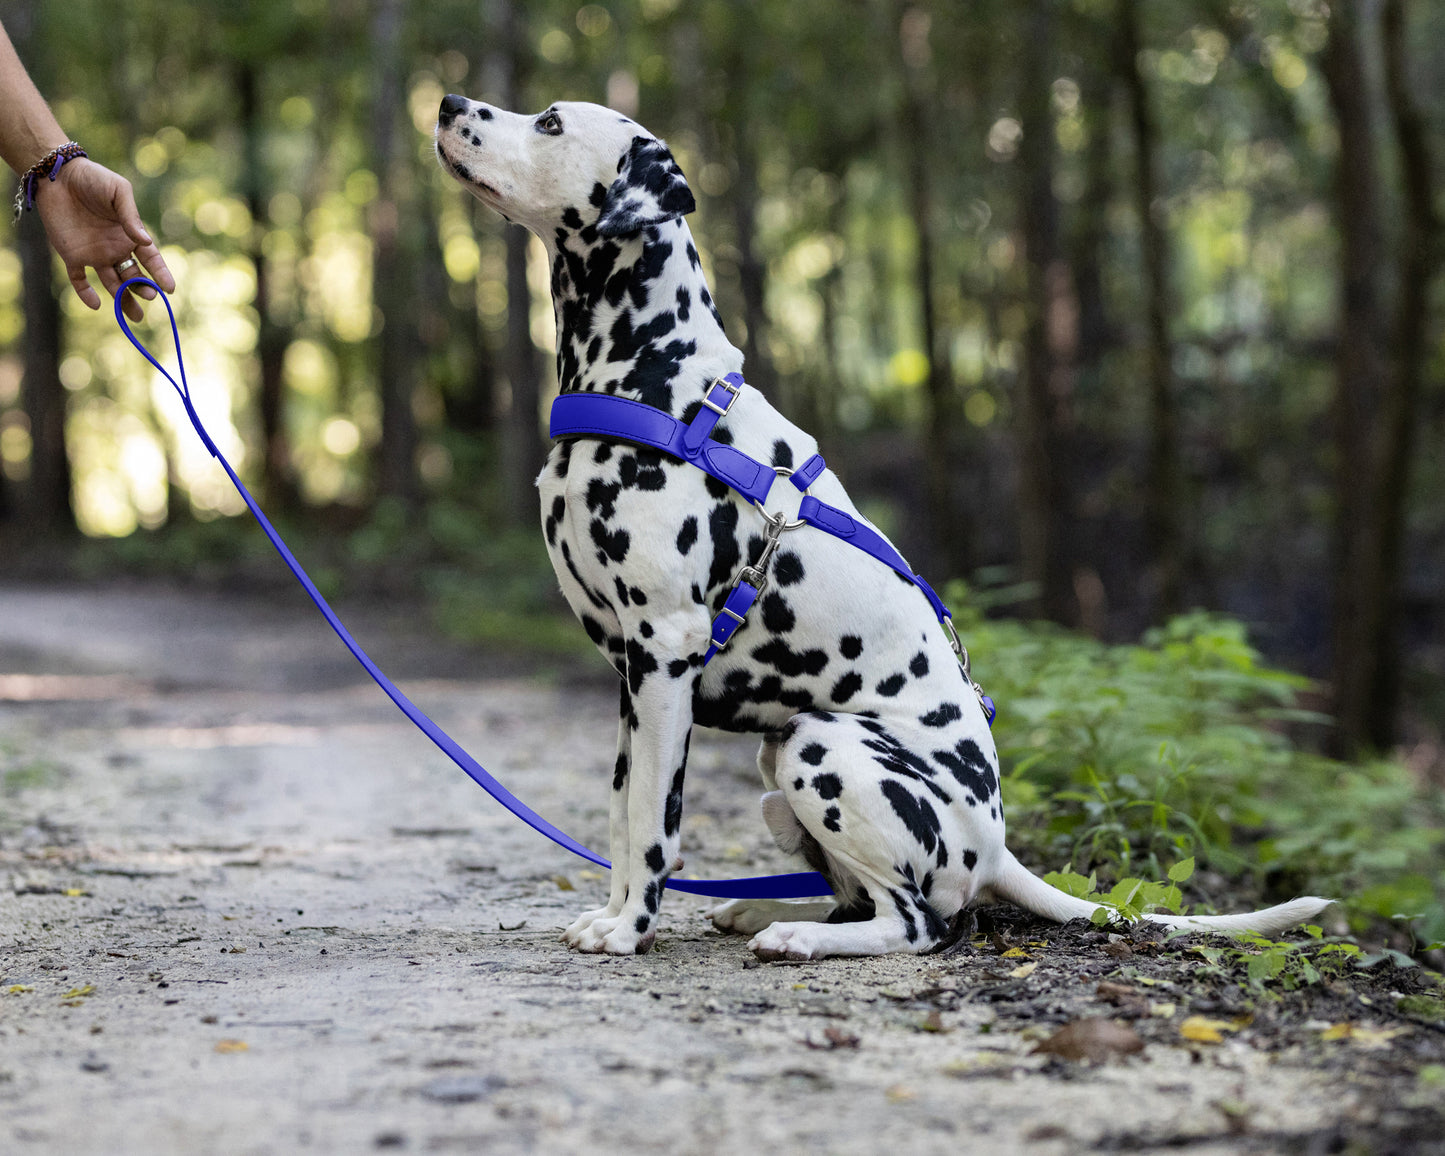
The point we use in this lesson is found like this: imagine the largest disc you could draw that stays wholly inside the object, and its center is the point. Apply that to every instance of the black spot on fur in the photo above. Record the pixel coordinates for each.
(654, 859)
(788, 569)
(619, 772)
(831, 817)
(678, 667)
(828, 785)
(919, 665)
(687, 536)
(917, 815)
(891, 685)
(846, 687)
(777, 614)
(970, 859)
(672, 813)
(946, 713)
(782, 454)
(971, 768)
(640, 663)
(610, 544)
(850, 646)
(788, 662)
(813, 754)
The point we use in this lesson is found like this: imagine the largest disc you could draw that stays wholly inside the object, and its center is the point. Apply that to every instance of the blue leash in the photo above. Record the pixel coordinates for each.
(798, 885)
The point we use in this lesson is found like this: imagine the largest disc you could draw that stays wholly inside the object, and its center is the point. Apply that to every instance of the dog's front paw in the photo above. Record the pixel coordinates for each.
(786, 941)
(579, 926)
(611, 935)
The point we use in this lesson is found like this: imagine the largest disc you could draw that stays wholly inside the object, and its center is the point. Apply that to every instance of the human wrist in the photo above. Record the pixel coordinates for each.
(45, 171)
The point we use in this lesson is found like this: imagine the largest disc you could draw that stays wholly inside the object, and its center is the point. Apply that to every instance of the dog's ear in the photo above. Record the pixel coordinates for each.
(649, 189)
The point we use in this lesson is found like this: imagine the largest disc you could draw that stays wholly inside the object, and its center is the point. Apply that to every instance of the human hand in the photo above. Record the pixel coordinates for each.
(91, 219)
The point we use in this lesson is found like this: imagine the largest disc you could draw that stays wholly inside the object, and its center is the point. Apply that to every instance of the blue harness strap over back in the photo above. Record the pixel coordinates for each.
(601, 415)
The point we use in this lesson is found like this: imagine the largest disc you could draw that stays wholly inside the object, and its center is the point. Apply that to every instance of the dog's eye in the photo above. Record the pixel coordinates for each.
(550, 123)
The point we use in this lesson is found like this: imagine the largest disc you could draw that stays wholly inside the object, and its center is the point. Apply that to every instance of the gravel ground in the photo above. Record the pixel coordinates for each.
(246, 908)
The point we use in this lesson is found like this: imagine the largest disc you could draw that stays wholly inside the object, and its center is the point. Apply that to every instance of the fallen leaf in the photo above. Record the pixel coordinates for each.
(227, 1047)
(1095, 1039)
(1016, 953)
(1115, 991)
(77, 992)
(1162, 1010)
(75, 892)
(900, 1094)
(1118, 949)
(18, 989)
(1203, 1030)
(1023, 971)
(563, 883)
(1369, 1038)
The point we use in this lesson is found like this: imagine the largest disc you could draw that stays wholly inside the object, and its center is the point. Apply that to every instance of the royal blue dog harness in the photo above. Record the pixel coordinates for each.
(611, 418)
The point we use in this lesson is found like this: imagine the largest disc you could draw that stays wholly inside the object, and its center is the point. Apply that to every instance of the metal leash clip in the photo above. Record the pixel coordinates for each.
(961, 652)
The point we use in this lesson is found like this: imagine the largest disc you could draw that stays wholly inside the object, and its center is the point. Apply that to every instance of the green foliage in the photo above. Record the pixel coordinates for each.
(1268, 962)
(1120, 759)
(1128, 899)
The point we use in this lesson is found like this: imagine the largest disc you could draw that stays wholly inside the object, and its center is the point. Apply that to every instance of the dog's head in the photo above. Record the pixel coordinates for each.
(574, 164)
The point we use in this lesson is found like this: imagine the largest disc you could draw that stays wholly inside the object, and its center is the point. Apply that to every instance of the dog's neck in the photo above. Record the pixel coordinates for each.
(635, 316)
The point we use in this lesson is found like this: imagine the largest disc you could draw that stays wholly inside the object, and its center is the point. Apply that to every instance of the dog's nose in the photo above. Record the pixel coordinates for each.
(452, 107)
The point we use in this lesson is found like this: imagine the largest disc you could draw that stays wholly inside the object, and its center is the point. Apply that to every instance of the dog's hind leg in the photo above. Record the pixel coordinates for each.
(747, 916)
(879, 827)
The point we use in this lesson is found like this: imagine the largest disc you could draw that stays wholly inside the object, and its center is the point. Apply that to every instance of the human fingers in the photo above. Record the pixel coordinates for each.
(145, 247)
(82, 286)
(112, 282)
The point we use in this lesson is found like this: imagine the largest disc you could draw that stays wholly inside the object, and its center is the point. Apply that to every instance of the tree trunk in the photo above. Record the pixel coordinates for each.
(391, 286)
(522, 448)
(1164, 517)
(952, 529)
(1419, 264)
(1050, 340)
(278, 478)
(1360, 368)
(45, 505)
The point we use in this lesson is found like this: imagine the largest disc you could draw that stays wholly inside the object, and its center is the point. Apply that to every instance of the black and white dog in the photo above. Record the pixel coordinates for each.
(876, 758)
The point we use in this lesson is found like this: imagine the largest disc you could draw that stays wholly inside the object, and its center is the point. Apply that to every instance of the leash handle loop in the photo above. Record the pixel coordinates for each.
(181, 387)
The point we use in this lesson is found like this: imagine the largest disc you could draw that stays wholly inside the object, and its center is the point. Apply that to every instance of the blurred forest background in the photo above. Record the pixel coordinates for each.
(1111, 309)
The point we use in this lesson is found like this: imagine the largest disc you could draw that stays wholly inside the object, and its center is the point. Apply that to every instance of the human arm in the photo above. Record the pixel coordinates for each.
(88, 211)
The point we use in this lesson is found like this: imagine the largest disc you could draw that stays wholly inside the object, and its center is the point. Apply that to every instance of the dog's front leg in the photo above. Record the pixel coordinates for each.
(661, 726)
(616, 826)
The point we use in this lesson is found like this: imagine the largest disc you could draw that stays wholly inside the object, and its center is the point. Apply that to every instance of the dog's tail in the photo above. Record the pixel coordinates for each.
(1018, 884)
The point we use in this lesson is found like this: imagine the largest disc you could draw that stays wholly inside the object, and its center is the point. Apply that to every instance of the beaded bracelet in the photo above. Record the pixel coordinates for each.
(48, 166)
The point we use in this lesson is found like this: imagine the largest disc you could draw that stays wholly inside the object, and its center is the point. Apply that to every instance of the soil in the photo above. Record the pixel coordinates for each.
(246, 908)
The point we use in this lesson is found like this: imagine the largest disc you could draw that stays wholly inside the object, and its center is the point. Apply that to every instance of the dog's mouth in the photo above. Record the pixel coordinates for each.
(464, 173)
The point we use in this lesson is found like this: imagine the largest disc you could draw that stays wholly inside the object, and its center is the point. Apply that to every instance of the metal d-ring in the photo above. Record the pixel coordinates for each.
(782, 472)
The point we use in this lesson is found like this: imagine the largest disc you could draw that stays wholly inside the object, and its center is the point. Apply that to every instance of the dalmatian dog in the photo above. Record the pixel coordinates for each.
(876, 758)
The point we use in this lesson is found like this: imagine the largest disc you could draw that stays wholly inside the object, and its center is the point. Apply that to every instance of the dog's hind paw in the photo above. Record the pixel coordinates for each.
(784, 941)
(749, 916)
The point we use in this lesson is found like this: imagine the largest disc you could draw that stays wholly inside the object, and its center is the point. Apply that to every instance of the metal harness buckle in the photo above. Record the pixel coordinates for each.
(733, 391)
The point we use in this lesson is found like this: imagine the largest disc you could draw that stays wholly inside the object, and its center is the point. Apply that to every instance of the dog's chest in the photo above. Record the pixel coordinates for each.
(638, 540)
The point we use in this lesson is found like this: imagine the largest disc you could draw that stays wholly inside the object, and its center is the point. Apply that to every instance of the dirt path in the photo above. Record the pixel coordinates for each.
(246, 908)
